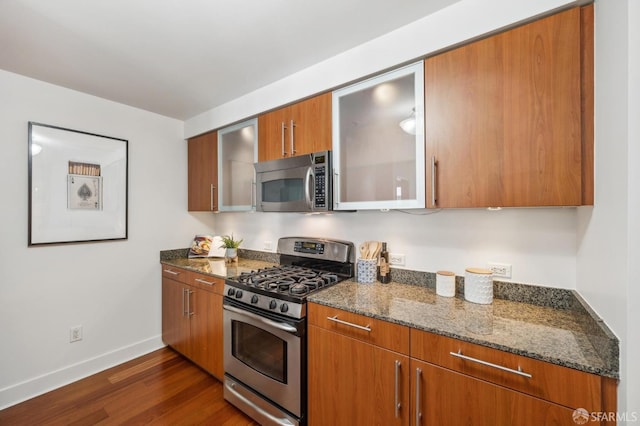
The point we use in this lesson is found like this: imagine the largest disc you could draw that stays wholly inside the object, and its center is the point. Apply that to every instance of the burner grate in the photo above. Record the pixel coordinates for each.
(290, 279)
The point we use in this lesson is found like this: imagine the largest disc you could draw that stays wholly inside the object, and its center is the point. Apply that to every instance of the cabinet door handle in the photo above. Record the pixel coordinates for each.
(434, 164)
(283, 127)
(336, 189)
(350, 324)
(200, 280)
(211, 197)
(184, 309)
(169, 271)
(253, 194)
(418, 412)
(189, 293)
(519, 371)
(292, 124)
(396, 403)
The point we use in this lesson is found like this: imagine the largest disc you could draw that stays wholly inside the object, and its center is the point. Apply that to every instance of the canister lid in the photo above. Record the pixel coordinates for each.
(481, 271)
(447, 273)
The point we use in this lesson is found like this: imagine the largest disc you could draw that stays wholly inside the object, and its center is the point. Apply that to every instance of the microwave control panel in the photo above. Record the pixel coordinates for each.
(321, 171)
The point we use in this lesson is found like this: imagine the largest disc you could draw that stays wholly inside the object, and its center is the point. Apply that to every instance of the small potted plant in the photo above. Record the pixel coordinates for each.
(231, 245)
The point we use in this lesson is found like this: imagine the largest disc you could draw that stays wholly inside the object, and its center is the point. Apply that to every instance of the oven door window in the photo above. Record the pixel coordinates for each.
(260, 350)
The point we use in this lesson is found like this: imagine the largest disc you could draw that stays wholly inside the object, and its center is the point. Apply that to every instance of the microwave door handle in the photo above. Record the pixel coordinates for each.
(308, 189)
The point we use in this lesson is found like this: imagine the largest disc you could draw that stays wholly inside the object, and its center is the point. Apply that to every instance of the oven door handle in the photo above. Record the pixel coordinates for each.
(279, 325)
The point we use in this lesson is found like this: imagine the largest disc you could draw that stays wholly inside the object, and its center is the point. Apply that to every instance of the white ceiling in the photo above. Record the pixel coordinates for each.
(179, 58)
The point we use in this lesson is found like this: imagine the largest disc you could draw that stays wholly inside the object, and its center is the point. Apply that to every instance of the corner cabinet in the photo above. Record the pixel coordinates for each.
(192, 321)
(237, 151)
(378, 142)
(509, 118)
(297, 129)
(202, 172)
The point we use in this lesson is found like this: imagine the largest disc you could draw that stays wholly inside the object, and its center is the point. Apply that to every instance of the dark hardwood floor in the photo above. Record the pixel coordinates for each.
(160, 388)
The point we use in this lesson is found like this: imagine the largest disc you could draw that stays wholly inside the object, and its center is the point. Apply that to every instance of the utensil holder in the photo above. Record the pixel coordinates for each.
(367, 269)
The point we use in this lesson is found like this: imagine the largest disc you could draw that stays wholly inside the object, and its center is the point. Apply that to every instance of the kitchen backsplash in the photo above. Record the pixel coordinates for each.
(540, 244)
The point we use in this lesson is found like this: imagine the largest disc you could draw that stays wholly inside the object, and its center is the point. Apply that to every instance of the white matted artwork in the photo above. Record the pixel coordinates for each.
(78, 185)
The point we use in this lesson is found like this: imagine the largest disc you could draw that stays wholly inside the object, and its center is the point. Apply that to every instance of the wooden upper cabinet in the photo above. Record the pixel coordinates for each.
(312, 118)
(297, 129)
(505, 117)
(203, 174)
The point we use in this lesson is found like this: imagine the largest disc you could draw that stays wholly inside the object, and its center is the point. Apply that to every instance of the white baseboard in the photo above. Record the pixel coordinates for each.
(28, 389)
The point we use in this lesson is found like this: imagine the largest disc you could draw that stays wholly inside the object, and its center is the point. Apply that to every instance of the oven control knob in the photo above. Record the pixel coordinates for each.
(272, 304)
(254, 299)
(238, 294)
(284, 307)
(231, 291)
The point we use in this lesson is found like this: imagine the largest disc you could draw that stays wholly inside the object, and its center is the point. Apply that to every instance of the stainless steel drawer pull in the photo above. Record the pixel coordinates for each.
(335, 319)
(169, 271)
(200, 280)
(260, 411)
(488, 364)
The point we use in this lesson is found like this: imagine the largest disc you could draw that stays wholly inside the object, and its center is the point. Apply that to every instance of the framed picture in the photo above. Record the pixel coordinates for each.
(78, 186)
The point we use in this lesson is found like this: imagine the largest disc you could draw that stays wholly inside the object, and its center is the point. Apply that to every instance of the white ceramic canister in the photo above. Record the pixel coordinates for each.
(478, 285)
(445, 283)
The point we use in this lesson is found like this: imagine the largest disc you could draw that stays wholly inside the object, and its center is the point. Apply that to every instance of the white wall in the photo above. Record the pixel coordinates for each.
(539, 243)
(112, 289)
(632, 370)
(609, 234)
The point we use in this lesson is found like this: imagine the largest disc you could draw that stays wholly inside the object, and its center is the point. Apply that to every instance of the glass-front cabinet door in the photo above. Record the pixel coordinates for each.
(237, 151)
(378, 142)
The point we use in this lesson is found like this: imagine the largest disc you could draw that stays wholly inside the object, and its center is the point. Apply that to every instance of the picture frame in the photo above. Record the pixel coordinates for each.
(78, 186)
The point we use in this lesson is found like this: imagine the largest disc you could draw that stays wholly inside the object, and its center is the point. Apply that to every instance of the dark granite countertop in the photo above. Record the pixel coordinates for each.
(571, 336)
(216, 266)
(552, 325)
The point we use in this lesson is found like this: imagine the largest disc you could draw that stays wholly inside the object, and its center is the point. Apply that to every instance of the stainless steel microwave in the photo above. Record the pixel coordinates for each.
(295, 184)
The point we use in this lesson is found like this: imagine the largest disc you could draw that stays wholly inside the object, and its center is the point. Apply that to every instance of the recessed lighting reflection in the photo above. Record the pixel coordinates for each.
(35, 149)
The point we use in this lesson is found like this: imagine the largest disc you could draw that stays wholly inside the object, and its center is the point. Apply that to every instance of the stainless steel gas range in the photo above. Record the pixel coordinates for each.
(265, 327)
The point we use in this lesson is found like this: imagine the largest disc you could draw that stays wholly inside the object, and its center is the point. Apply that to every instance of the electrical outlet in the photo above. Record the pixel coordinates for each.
(500, 270)
(75, 334)
(266, 245)
(396, 259)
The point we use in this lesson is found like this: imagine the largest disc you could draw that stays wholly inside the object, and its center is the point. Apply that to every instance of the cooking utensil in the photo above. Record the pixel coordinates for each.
(364, 250)
(374, 249)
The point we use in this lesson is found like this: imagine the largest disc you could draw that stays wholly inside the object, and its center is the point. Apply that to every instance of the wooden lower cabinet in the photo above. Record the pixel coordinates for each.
(354, 383)
(354, 380)
(442, 396)
(192, 323)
